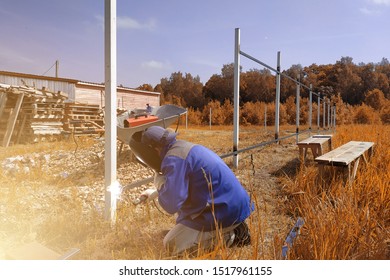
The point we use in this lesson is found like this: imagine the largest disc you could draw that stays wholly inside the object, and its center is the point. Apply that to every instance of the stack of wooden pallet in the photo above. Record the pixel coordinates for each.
(28, 114)
(81, 119)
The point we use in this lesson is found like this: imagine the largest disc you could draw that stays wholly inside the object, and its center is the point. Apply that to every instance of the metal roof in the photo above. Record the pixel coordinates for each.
(78, 83)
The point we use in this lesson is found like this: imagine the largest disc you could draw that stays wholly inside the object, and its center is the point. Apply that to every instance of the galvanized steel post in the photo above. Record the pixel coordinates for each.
(210, 119)
(323, 113)
(297, 106)
(187, 118)
(111, 185)
(318, 111)
(277, 100)
(236, 113)
(310, 106)
(329, 114)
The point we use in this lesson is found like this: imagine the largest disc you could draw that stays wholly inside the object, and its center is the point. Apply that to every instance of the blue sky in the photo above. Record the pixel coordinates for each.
(156, 38)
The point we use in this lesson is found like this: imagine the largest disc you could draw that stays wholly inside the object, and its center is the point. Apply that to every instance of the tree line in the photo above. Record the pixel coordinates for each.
(347, 84)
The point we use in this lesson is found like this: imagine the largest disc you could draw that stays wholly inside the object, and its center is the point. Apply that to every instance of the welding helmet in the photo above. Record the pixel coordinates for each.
(157, 136)
(145, 154)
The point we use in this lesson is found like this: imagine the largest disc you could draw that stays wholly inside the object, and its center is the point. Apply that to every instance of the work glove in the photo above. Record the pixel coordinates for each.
(159, 180)
(148, 195)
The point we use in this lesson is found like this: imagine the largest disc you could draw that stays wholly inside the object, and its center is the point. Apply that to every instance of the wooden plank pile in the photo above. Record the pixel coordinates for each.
(28, 115)
(81, 119)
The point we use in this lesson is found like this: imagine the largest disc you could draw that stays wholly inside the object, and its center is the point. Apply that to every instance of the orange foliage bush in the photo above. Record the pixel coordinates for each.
(258, 113)
(365, 115)
(194, 116)
(385, 113)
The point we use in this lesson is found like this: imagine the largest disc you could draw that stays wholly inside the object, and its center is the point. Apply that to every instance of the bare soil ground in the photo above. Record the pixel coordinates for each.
(53, 193)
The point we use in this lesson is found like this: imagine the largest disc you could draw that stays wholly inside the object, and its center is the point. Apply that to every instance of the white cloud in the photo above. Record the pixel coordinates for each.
(369, 12)
(374, 7)
(380, 2)
(206, 62)
(153, 64)
(130, 23)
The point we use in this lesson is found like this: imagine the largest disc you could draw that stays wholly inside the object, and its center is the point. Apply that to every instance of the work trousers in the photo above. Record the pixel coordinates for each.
(181, 238)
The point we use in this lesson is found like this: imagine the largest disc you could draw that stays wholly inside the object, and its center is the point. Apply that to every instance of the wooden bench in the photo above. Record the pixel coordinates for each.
(315, 143)
(346, 156)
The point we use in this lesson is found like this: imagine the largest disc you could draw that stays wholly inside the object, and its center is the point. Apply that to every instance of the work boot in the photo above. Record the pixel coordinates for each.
(242, 236)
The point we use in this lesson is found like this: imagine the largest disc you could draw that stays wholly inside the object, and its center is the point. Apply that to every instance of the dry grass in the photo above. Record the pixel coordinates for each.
(345, 222)
(340, 223)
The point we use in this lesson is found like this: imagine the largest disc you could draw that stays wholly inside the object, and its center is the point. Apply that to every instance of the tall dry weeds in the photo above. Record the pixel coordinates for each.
(342, 221)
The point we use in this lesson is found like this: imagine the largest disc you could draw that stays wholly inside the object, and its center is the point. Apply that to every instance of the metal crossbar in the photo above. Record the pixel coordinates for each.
(278, 72)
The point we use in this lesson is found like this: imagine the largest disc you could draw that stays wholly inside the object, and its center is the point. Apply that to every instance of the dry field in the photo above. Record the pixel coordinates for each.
(53, 193)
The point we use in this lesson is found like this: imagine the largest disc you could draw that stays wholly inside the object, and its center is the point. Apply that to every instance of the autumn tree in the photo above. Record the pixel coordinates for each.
(348, 81)
(385, 113)
(220, 87)
(288, 87)
(375, 99)
(258, 85)
(250, 113)
(291, 114)
(184, 89)
(364, 115)
(147, 87)
(345, 83)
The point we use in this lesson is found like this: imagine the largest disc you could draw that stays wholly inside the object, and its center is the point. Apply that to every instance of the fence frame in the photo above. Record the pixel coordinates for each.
(236, 115)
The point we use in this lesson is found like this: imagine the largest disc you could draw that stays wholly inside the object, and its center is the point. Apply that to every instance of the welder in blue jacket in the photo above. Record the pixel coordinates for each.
(195, 183)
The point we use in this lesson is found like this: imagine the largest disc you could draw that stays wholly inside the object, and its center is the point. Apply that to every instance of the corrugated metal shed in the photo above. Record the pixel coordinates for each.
(83, 92)
(51, 83)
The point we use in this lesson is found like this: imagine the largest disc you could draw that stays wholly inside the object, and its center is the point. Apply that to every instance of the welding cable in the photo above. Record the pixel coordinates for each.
(158, 208)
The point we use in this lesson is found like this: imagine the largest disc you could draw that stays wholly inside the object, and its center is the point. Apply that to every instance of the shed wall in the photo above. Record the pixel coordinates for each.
(125, 98)
(82, 92)
(51, 85)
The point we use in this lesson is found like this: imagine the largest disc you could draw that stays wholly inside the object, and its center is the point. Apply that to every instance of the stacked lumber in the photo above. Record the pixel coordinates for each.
(81, 119)
(28, 114)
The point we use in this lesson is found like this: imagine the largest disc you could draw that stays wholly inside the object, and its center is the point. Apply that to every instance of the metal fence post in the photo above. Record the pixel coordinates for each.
(187, 118)
(318, 111)
(310, 106)
(210, 119)
(236, 113)
(297, 107)
(329, 112)
(323, 113)
(277, 100)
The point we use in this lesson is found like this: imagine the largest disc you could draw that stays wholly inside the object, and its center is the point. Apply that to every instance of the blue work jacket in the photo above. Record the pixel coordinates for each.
(201, 188)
